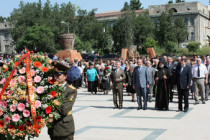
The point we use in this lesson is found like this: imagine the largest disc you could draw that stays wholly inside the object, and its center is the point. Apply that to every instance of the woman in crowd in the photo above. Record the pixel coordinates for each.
(129, 83)
(106, 79)
(91, 79)
(126, 73)
(81, 72)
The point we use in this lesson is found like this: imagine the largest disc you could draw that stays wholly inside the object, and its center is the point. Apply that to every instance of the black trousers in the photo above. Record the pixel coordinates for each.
(183, 93)
(69, 137)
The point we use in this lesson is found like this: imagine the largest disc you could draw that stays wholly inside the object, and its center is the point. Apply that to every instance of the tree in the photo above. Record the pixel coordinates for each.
(126, 7)
(134, 5)
(170, 1)
(193, 46)
(181, 32)
(150, 43)
(123, 31)
(178, 1)
(144, 28)
(171, 47)
(37, 38)
(42, 14)
(2, 19)
(165, 31)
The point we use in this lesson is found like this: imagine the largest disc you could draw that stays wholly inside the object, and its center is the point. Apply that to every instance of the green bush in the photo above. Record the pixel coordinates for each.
(183, 51)
(171, 47)
(193, 46)
(205, 50)
(159, 51)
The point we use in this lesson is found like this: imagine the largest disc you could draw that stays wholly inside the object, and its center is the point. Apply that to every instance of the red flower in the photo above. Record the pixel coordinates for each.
(124, 85)
(21, 127)
(48, 110)
(1, 124)
(51, 81)
(44, 69)
(28, 124)
(38, 118)
(37, 64)
(11, 126)
(53, 94)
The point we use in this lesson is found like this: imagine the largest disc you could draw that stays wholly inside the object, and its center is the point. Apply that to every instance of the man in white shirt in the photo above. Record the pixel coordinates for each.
(200, 78)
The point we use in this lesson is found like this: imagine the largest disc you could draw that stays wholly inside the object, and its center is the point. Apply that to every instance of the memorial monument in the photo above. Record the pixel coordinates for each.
(67, 44)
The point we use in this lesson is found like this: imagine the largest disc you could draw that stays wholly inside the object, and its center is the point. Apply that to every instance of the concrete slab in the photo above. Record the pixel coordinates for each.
(95, 119)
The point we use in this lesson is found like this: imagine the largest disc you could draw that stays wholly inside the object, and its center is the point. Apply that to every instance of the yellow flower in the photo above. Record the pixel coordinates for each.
(56, 102)
(51, 115)
(70, 99)
(55, 83)
(49, 61)
(14, 102)
(5, 66)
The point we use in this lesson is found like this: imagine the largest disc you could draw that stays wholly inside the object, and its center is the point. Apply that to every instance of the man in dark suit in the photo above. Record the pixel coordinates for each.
(117, 77)
(184, 77)
(170, 66)
(141, 83)
(63, 129)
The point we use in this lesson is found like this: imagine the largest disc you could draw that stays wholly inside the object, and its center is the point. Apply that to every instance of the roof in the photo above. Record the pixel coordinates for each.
(117, 13)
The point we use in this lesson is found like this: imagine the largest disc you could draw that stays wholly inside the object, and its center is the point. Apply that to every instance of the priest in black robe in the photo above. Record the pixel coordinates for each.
(162, 96)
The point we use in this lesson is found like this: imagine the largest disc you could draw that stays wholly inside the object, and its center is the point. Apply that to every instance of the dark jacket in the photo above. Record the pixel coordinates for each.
(183, 78)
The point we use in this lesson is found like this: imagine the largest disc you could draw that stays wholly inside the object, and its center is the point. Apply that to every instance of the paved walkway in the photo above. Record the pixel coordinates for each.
(95, 119)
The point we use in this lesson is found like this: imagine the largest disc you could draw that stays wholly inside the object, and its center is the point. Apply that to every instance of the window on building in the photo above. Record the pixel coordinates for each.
(6, 48)
(173, 10)
(6, 36)
(192, 21)
(186, 21)
(192, 36)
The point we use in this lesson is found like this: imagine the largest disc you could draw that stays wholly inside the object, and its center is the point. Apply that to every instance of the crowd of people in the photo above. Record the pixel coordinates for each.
(144, 79)
(150, 79)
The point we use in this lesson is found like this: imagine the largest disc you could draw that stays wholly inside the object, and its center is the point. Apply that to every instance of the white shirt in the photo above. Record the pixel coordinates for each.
(203, 71)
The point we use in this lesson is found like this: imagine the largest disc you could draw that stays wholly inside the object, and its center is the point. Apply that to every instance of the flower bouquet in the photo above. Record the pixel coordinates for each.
(107, 70)
(29, 96)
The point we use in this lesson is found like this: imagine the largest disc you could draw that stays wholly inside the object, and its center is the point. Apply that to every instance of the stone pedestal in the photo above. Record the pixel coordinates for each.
(69, 54)
(67, 41)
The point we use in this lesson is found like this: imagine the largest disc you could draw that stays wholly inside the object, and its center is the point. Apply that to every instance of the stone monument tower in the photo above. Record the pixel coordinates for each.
(67, 44)
(67, 41)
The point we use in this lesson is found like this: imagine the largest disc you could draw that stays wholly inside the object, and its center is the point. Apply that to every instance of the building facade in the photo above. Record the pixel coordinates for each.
(195, 15)
(6, 45)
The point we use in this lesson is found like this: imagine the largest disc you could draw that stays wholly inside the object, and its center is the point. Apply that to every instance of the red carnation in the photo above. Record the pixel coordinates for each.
(11, 126)
(28, 124)
(38, 118)
(1, 124)
(21, 127)
(53, 93)
(51, 81)
(48, 110)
